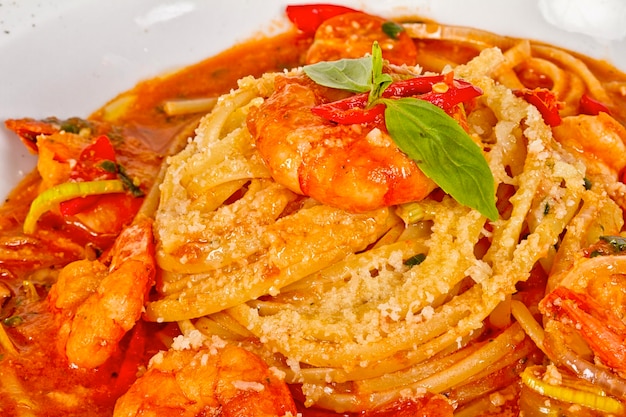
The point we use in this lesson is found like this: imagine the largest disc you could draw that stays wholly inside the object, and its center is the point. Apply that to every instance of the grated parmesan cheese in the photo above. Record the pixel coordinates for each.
(248, 386)
(192, 340)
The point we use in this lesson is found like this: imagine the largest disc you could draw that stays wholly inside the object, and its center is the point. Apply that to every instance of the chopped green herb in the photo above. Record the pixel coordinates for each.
(75, 125)
(13, 321)
(392, 29)
(618, 243)
(415, 260)
(128, 182)
(109, 166)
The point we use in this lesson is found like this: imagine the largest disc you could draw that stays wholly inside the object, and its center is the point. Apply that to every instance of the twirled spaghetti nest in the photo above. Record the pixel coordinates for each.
(332, 297)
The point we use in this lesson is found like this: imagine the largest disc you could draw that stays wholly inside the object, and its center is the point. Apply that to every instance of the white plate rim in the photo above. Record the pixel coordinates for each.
(67, 58)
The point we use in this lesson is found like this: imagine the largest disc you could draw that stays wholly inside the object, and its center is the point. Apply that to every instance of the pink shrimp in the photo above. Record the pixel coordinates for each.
(96, 304)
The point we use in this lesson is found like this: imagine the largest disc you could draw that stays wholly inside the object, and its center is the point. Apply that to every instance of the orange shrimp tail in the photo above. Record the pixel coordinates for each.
(603, 331)
(28, 129)
(274, 399)
(227, 381)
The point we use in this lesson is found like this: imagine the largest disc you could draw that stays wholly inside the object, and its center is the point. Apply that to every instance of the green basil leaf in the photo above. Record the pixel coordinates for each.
(443, 151)
(379, 81)
(392, 29)
(353, 75)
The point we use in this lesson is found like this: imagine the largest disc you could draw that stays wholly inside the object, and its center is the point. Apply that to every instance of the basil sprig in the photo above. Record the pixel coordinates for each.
(379, 81)
(353, 75)
(439, 146)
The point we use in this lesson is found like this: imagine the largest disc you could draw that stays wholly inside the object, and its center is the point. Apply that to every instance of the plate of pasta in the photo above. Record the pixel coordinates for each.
(285, 208)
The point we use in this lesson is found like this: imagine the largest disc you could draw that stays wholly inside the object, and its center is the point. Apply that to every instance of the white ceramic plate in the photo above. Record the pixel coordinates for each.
(67, 58)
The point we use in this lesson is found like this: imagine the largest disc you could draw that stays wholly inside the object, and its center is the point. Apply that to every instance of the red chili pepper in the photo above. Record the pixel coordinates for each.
(592, 106)
(78, 205)
(459, 92)
(352, 109)
(545, 101)
(309, 17)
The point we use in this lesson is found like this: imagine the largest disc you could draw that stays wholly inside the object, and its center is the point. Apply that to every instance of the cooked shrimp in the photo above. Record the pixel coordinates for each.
(352, 167)
(600, 327)
(96, 304)
(214, 380)
(590, 300)
(351, 35)
(599, 140)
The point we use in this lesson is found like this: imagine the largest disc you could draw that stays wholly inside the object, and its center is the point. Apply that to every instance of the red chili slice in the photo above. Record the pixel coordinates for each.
(545, 101)
(592, 106)
(352, 109)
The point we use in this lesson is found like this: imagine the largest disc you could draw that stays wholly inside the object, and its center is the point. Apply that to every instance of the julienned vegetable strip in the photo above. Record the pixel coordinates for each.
(66, 191)
(570, 393)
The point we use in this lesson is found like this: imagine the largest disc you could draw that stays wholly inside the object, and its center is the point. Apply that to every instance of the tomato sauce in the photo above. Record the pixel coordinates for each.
(211, 77)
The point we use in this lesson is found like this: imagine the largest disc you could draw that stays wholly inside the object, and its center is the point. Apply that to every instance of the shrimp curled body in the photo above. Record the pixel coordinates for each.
(590, 299)
(96, 304)
(353, 167)
(210, 381)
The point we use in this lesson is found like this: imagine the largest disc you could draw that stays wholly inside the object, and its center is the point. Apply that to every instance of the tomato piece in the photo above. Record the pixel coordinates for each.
(308, 17)
(133, 358)
(77, 205)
